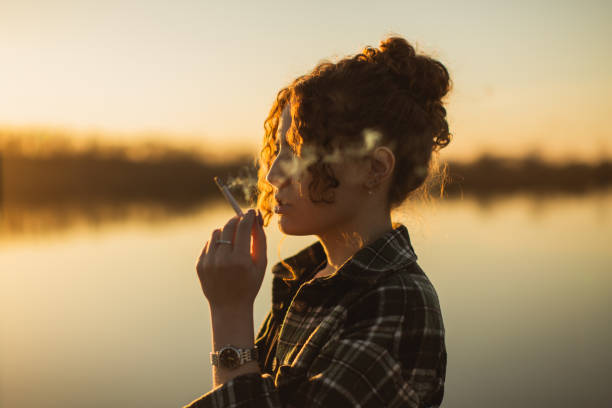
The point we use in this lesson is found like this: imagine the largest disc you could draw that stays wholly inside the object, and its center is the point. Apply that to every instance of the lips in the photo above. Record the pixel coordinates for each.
(281, 206)
(281, 209)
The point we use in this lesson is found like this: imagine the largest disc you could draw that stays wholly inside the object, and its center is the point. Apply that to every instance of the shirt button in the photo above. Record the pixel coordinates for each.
(299, 306)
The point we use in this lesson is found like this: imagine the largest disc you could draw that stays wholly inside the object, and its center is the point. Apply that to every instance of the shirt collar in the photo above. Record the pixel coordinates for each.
(391, 251)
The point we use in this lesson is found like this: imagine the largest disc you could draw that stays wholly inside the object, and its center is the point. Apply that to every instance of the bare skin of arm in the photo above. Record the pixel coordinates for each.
(235, 327)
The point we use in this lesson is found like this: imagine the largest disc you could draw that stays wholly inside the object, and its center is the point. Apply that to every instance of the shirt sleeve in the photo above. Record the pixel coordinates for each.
(389, 352)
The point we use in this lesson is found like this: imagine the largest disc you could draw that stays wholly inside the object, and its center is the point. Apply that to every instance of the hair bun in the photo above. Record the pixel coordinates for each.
(426, 79)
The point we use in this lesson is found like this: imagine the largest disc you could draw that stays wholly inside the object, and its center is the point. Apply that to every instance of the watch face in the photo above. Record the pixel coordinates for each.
(229, 358)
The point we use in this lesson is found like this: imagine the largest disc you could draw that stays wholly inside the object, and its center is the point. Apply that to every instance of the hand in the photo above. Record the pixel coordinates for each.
(231, 275)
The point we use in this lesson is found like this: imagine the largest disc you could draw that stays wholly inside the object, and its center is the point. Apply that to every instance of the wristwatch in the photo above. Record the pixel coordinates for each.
(233, 357)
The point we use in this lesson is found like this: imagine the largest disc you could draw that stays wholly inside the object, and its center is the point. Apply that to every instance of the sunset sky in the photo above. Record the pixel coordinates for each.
(528, 75)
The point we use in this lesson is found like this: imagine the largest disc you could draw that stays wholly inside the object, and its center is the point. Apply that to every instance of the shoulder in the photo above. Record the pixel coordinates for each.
(406, 293)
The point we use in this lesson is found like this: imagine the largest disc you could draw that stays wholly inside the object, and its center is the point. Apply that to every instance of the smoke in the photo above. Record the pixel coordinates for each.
(245, 183)
(295, 166)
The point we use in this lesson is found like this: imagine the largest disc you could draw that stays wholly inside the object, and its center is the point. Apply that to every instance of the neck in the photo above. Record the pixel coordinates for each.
(342, 241)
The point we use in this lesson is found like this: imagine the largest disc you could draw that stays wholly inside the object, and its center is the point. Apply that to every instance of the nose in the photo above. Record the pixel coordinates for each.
(276, 176)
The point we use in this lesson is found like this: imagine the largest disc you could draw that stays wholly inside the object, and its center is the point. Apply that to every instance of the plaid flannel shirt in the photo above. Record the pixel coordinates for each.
(369, 335)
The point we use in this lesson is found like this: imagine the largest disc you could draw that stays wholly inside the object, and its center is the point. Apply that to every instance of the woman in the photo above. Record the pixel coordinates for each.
(354, 320)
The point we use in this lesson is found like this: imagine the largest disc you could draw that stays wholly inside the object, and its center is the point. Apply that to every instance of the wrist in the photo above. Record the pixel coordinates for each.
(231, 311)
(232, 326)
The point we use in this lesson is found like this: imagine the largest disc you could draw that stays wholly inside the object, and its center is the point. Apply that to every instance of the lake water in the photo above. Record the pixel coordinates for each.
(108, 312)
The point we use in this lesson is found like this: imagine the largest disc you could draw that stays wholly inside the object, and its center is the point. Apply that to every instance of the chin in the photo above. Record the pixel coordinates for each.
(288, 227)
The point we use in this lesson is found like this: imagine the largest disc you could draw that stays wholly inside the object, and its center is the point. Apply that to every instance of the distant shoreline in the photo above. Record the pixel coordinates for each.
(495, 175)
(50, 193)
(180, 178)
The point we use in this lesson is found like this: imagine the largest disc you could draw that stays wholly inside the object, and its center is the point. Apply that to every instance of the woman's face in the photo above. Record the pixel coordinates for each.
(297, 214)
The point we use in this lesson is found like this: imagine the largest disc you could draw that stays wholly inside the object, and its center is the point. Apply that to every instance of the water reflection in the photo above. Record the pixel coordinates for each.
(112, 313)
(20, 220)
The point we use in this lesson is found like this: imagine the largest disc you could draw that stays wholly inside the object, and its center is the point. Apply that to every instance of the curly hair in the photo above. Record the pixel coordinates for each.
(390, 89)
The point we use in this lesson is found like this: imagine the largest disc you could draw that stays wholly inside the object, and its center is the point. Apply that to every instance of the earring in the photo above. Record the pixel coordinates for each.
(375, 183)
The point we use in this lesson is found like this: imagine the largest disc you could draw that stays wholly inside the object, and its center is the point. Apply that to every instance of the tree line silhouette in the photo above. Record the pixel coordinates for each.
(182, 177)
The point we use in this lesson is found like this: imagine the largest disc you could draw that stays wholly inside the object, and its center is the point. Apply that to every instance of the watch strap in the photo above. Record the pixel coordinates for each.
(246, 354)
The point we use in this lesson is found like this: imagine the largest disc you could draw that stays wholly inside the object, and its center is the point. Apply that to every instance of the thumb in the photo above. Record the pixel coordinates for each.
(260, 248)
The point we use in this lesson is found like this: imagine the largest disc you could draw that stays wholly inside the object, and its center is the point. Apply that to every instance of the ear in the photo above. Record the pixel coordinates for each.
(382, 163)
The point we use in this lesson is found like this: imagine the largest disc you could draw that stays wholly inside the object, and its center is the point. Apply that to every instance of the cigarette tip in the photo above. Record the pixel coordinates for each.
(218, 182)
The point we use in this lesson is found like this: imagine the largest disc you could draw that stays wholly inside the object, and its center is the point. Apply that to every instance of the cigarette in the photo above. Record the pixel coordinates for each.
(229, 197)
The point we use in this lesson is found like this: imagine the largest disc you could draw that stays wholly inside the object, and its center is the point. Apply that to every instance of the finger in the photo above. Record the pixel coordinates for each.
(260, 246)
(204, 249)
(212, 243)
(229, 230)
(202, 256)
(242, 244)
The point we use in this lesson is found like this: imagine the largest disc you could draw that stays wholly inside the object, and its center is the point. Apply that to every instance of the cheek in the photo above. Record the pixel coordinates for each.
(302, 183)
